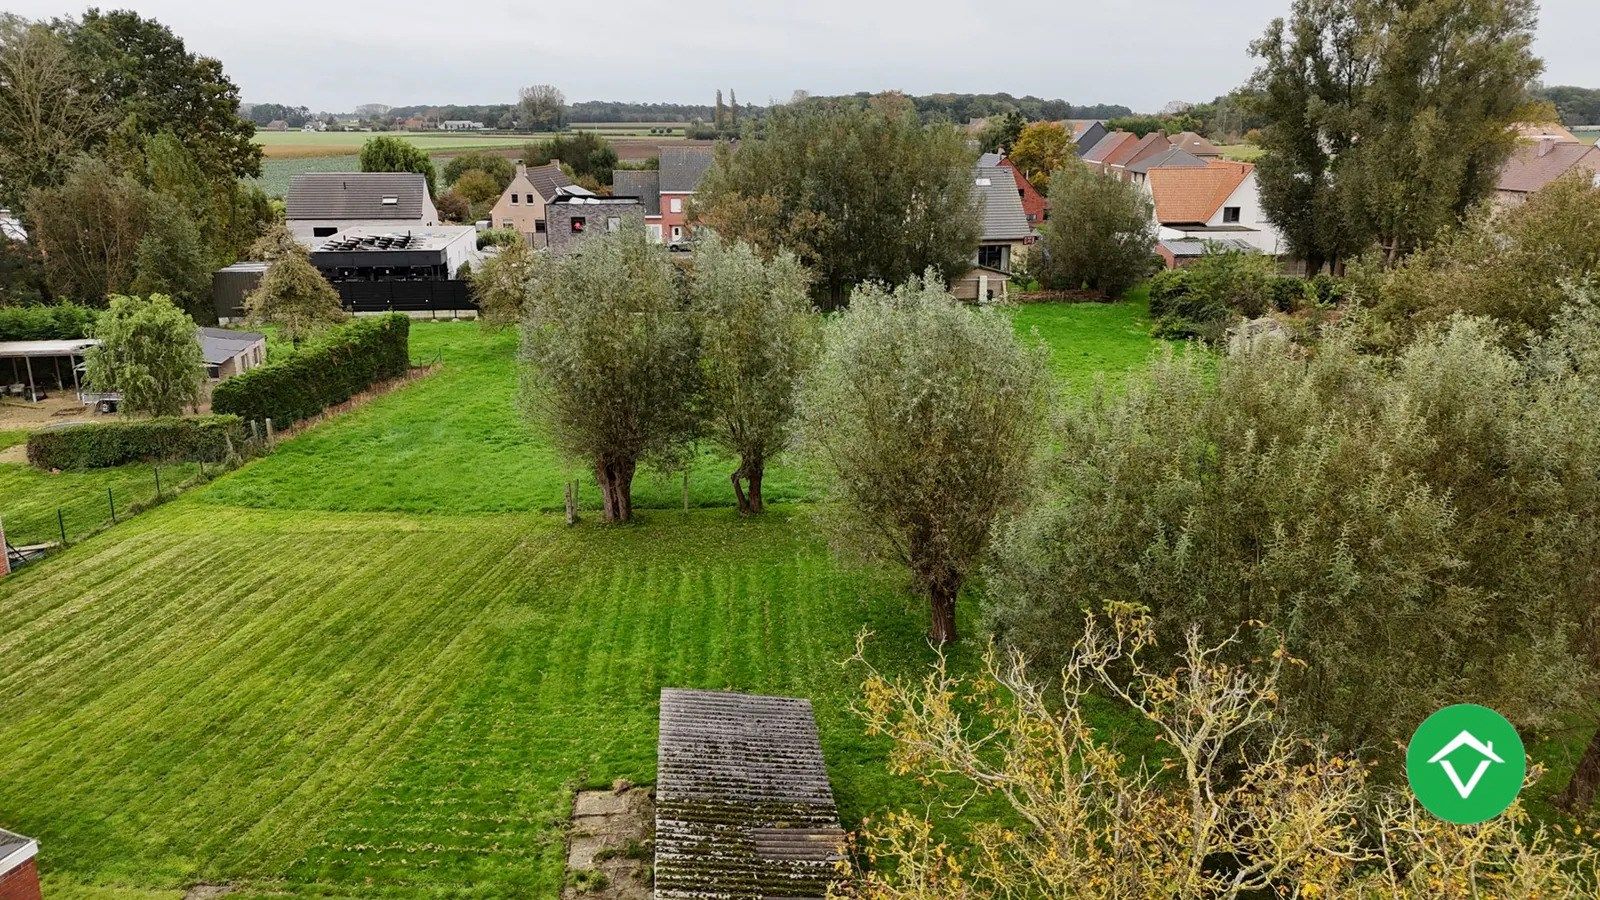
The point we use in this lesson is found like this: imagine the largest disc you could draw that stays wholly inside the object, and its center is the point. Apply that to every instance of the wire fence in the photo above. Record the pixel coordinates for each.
(44, 512)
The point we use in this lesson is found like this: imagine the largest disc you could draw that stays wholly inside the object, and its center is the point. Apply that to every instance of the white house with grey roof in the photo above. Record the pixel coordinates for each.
(1004, 237)
(322, 204)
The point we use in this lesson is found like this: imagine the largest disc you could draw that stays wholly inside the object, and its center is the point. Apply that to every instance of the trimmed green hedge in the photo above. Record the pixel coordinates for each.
(100, 445)
(336, 367)
(64, 322)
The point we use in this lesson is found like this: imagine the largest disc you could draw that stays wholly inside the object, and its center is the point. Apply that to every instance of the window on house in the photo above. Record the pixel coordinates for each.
(992, 257)
(1021, 193)
(513, 199)
(613, 223)
(1230, 214)
(530, 198)
(507, 224)
(578, 223)
(538, 226)
(655, 233)
(677, 204)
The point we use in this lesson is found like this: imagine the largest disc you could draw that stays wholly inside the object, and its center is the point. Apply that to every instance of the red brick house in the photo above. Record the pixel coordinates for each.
(19, 875)
(665, 191)
(1034, 204)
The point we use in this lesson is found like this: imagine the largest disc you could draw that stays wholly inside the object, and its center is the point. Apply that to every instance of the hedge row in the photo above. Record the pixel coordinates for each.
(341, 364)
(63, 322)
(98, 445)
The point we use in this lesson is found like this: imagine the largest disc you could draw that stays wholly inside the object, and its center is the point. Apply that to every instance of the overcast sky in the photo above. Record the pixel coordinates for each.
(331, 55)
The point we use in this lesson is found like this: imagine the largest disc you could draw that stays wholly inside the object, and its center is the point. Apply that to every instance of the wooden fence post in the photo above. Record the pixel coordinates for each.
(61, 523)
(572, 503)
(271, 436)
(112, 502)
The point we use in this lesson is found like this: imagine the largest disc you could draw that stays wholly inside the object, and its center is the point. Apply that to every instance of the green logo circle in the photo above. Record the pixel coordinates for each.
(1466, 764)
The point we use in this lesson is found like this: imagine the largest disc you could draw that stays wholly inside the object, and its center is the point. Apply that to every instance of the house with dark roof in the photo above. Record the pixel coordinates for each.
(1539, 160)
(1216, 202)
(573, 218)
(1005, 235)
(522, 204)
(664, 192)
(1085, 133)
(228, 352)
(19, 873)
(1172, 157)
(321, 204)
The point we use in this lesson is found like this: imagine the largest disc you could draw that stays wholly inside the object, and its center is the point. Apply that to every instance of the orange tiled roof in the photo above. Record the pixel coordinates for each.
(1187, 195)
(1108, 145)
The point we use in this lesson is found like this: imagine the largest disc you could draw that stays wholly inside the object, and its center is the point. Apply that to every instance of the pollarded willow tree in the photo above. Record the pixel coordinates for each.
(925, 418)
(609, 359)
(148, 352)
(293, 296)
(758, 334)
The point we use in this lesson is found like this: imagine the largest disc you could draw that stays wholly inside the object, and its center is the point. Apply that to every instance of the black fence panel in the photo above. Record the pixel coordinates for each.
(405, 296)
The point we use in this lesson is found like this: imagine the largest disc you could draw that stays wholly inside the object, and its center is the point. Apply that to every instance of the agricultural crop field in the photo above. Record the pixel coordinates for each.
(290, 153)
(373, 664)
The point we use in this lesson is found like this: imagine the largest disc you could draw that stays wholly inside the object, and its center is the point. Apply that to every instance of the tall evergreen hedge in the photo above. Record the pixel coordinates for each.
(339, 365)
(60, 322)
(99, 445)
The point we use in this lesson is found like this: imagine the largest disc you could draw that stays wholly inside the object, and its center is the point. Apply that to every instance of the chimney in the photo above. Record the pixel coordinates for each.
(1546, 144)
(522, 169)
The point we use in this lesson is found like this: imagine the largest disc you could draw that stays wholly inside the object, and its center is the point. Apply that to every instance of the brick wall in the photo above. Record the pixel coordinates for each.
(21, 883)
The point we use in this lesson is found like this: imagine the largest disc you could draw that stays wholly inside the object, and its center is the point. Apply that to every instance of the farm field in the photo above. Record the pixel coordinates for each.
(369, 665)
(1241, 152)
(290, 153)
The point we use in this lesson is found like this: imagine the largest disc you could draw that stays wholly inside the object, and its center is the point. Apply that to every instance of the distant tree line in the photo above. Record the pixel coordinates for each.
(1575, 105)
(267, 113)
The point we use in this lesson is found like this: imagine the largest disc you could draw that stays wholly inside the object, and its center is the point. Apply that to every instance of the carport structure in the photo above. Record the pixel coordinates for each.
(27, 364)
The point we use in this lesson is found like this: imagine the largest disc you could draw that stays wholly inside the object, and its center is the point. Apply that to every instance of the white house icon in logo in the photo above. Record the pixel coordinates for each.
(1466, 739)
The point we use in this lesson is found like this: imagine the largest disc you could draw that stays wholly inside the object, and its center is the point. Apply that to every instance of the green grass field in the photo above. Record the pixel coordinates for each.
(370, 665)
(339, 143)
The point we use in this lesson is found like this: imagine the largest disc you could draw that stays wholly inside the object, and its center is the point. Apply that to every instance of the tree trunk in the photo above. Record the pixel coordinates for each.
(942, 602)
(749, 472)
(615, 478)
(1578, 797)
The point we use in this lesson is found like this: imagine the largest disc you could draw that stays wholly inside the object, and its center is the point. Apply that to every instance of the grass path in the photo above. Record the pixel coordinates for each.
(369, 665)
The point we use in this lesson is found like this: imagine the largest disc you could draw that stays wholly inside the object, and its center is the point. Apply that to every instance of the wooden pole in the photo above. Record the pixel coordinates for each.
(112, 502)
(158, 482)
(32, 392)
(572, 503)
(61, 523)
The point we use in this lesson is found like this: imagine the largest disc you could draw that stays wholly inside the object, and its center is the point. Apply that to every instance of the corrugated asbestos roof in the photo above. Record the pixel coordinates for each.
(356, 195)
(643, 183)
(1003, 216)
(744, 810)
(683, 168)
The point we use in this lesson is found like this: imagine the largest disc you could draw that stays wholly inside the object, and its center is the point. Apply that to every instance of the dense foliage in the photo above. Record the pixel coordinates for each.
(923, 417)
(100, 445)
(1240, 806)
(340, 364)
(1202, 299)
(59, 322)
(856, 193)
(293, 297)
(1386, 122)
(148, 352)
(609, 353)
(585, 153)
(1099, 237)
(1512, 265)
(500, 286)
(115, 210)
(497, 167)
(1041, 149)
(757, 332)
(1575, 105)
(393, 154)
(1416, 528)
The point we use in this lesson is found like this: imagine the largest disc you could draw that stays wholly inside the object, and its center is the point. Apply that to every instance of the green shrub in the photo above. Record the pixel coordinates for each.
(100, 445)
(499, 237)
(337, 366)
(1288, 293)
(1167, 289)
(61, 322)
